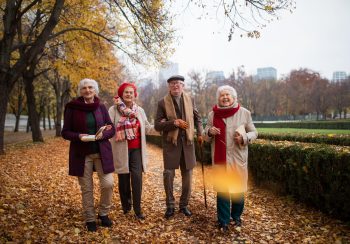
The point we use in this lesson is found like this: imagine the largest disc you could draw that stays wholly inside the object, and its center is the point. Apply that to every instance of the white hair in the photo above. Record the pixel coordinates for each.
(90, 81)
(228, 88)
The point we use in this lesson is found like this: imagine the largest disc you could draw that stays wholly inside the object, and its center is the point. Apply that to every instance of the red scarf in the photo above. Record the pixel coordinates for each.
(220, 140)
(80, 110)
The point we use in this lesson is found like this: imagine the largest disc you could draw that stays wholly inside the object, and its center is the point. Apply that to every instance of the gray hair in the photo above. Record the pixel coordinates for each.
(231, 90)
(90, 81)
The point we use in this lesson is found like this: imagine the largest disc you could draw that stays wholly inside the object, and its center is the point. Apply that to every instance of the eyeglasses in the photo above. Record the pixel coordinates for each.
(174, 83)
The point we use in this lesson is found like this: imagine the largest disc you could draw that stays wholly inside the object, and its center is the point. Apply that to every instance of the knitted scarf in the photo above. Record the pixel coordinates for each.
(220, 140)
(171, 115)
(126, 126)
(81, 108)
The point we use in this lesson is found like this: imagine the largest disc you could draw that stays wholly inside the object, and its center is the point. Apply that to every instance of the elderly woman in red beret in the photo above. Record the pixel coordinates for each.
(129, 147)
(83, 118)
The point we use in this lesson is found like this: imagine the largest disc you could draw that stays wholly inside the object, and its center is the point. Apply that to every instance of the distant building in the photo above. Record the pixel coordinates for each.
(339, 76)
(267, 73)
(168, 70)
(215, 77)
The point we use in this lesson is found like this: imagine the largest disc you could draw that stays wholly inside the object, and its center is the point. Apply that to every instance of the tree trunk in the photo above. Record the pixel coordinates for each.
(19, 108)
(33, 114)
(58, 125)
(4, 98)
(44, 118)
(48, 116)
(61, 87)
(18, 117)
(28, 127)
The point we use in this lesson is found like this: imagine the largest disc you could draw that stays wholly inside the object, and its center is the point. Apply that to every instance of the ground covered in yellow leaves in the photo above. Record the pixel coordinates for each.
(40, 203)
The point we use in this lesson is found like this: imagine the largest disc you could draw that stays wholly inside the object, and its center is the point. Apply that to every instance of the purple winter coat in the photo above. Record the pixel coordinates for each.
(74, 125)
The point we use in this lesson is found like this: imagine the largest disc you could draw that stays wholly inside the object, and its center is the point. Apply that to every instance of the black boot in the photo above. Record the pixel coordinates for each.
(91, 226)
(169, 212)
(105, 221)
(140, 216)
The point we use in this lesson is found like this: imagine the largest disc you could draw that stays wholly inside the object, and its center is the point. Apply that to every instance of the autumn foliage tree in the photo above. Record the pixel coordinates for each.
(135, 27)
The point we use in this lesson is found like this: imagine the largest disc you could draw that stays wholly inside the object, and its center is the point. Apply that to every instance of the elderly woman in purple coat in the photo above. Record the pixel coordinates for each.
(88, 127)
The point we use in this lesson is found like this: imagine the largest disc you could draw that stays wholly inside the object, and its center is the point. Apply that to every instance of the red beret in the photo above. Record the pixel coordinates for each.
(125, 85)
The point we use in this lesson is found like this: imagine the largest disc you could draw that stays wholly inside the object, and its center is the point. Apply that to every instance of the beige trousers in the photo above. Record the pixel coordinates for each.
(87, 188)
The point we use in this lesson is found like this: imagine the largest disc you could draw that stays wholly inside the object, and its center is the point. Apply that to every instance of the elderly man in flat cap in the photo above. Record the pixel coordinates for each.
(176, 118)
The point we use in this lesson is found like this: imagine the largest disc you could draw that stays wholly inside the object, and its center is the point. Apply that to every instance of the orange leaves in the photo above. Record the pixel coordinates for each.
(40, 203)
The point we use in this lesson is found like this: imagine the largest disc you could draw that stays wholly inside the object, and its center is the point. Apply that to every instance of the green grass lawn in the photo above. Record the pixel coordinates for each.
(303, 131)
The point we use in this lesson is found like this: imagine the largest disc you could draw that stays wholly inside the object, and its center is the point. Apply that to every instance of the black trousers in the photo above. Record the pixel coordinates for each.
(135, 178)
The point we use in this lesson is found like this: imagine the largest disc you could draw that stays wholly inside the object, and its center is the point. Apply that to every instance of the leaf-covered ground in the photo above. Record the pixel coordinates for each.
(40, 203)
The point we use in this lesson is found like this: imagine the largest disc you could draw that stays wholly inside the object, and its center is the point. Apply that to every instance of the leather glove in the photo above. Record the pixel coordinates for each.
(181, 124)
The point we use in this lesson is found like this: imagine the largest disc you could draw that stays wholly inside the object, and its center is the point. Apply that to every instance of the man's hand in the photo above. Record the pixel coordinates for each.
(200, 140)
(238, 138)
(181, 124)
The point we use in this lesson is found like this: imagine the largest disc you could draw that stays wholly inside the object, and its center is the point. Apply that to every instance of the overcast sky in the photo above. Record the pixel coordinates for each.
(315, 36)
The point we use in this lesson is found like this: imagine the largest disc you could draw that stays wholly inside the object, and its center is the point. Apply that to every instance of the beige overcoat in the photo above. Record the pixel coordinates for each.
(120, 148)
(236, 156)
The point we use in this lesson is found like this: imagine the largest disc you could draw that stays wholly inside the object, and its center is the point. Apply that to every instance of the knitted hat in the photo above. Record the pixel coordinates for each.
(125, 85)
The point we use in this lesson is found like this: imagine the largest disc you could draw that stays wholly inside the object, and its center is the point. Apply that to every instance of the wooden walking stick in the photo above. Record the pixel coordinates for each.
(202, 162)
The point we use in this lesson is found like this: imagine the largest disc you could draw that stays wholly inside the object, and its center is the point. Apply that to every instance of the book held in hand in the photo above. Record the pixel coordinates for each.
(242, 132)
(98, 135)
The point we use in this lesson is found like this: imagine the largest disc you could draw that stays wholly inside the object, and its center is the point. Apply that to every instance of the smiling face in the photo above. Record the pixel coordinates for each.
(88, 92)
(176, 87)
(225, 99)
(128, 95)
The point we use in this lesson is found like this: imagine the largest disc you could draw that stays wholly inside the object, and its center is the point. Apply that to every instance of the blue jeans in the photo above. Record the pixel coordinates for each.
(224, 200)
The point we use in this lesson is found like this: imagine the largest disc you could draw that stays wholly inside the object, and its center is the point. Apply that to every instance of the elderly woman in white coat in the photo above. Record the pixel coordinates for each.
(129, 147)
(230, 129)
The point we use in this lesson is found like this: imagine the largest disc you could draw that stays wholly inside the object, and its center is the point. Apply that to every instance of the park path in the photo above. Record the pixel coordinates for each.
(40, 203)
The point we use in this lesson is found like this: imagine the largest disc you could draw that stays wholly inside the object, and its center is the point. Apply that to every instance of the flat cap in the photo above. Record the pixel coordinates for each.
(176, 77)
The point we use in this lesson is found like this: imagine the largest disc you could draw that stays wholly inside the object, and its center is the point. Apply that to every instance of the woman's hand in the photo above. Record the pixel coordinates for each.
(117, 100)
(238, 138)
(214, 131)
(81, 135)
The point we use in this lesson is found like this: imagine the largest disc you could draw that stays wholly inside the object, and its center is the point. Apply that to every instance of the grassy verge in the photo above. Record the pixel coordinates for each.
(303, 131)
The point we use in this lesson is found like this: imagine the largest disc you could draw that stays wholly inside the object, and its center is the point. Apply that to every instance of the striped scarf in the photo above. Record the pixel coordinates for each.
(126, 126)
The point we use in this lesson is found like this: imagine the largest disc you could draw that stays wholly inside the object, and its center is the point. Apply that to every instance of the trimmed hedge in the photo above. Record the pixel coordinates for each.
(341, 140)
(341, 125)
(316, 175)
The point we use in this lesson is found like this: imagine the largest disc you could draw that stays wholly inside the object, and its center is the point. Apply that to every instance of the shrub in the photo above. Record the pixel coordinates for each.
(341, 140)
(318, 175)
